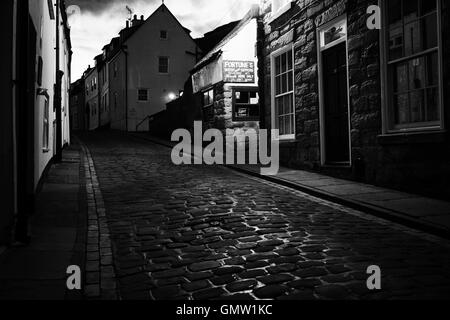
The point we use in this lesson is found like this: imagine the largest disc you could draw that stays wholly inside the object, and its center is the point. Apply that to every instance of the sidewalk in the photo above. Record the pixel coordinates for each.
(425, 214)
(38, 271)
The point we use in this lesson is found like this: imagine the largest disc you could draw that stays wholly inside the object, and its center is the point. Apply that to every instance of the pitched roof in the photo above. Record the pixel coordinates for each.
(212, 38)
(162, 7)
(217, 50)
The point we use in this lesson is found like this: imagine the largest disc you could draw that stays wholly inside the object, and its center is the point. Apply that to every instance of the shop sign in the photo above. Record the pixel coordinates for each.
(239, 71)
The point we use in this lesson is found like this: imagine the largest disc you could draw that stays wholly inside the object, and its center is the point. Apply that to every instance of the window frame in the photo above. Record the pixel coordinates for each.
(159, 64)
(234, 104)
(139, 95)
(163, 38)
(40, 68)
(210, 106)
(388, 124)
(46, 126)
(273, 56)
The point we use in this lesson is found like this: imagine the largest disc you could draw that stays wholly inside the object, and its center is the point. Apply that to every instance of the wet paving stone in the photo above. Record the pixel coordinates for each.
(203, 266)
(271, 291)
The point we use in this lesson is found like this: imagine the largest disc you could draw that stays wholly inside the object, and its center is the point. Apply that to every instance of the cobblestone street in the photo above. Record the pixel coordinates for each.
(198, 232)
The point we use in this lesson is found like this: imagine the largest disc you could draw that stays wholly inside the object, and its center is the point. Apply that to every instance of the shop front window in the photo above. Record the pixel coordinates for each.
(246, 104)
(413, 64)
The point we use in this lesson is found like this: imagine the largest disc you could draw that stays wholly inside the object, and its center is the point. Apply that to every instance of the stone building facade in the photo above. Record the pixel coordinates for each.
(226, 80)
(359, 102)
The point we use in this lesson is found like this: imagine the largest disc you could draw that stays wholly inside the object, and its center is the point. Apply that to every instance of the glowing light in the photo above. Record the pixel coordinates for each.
(172, 96)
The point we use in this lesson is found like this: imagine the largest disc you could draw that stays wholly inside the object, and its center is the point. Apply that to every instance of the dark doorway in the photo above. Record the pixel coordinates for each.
(336, 121)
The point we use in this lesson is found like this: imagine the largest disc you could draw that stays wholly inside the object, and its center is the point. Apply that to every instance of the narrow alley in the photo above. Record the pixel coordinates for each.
(197, 232)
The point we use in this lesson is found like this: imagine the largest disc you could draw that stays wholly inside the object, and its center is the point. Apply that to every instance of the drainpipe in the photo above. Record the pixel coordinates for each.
(57, 95)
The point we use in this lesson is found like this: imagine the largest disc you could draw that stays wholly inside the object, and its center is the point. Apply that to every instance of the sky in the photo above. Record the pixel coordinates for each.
(94, 23)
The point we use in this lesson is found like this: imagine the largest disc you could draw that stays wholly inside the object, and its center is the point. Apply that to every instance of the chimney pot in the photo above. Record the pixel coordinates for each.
(142, 17)
(128, 24)
(135, 17)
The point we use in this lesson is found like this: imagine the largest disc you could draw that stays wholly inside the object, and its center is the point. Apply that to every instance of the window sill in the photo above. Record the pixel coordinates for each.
(246, 119)
(422, 137)
(45, 150)
(337, 165)
(280, 12)
(286, 141)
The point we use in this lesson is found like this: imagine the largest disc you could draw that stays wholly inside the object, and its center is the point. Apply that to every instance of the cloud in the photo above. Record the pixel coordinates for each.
(100, 20)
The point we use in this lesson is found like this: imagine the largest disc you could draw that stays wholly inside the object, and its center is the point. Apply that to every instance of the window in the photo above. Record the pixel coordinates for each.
(280, 6)
(39, 72)
(331, 35)
(245, 104)
(163, 35)
(143, 95)
(283, 112)
(45, 127)
(208, 104)
(208, 98)
(163, 65)
(413, 64)
(50, 9)
(115, 69)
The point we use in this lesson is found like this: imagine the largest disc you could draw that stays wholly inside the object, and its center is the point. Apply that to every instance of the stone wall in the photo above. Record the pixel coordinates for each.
(418, 163)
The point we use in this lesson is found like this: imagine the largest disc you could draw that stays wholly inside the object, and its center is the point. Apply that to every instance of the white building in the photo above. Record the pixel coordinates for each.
(149, 69)
(28, 117)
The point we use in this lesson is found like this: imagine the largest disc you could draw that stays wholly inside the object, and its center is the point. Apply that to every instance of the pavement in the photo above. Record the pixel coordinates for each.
(38, 271)
(419, 212)
(142, 228)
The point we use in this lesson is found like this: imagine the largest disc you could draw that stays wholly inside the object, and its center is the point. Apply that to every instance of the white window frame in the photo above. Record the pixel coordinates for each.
(387, 128)
(273, 56)
(320, 48)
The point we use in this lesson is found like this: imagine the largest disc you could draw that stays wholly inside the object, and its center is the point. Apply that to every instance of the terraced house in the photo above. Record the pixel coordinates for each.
(357, 102)
(34, 118)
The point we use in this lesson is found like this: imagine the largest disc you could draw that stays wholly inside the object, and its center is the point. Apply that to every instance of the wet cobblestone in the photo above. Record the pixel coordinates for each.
(196, 232)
